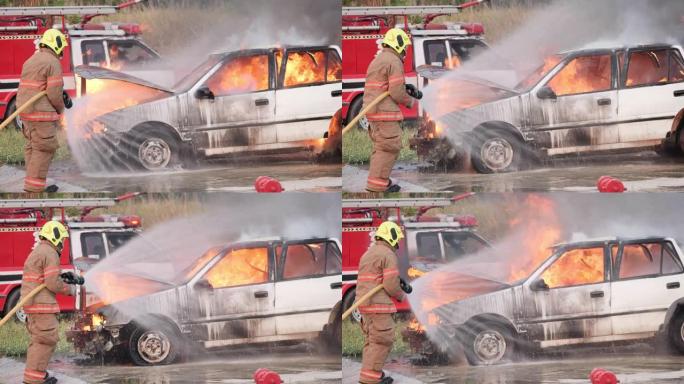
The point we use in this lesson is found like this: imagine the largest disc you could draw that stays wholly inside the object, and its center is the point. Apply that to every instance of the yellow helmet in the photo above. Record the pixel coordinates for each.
(55, 40)
(397, 39)
(54, 232)
(390, 232)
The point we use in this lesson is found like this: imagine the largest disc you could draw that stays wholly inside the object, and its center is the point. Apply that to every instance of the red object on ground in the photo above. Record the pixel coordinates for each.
(610, 184)
(267, 184)
(602, 376)
(265, 376)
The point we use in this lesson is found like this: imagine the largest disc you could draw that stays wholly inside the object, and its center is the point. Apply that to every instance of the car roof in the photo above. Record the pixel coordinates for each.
(603, 240)
(603, 47)
(268, 48)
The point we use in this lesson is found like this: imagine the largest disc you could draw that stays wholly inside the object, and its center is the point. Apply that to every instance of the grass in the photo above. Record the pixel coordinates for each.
(12, 144)
(357, 147)
(352, 339)
(14, 339)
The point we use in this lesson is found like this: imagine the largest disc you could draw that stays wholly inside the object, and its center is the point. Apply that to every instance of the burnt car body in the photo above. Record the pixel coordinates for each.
(591, 292)
(248, 293)
(582, 101)
(234, 103)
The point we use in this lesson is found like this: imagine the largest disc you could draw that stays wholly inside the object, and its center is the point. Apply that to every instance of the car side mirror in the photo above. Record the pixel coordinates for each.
(204, 284)
(546, 92)
(539, 285)
(204, 93)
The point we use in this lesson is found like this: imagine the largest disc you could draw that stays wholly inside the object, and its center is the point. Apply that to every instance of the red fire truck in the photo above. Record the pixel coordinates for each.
(430, 240)
(91, 238)
(116, 46)
(444, 45)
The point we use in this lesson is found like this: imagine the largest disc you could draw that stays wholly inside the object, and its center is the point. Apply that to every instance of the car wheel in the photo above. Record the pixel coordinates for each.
(354, 110)
(157, 344)
(12, 301)
(676, 333)
(488, 344)
(156, 150)
(11, 107)
(348, 302)
(496, 152)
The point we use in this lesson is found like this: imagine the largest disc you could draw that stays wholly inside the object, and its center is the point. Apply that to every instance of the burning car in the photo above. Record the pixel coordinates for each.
(247, 101)
(246, 293)
(590, 292)
(581, 101)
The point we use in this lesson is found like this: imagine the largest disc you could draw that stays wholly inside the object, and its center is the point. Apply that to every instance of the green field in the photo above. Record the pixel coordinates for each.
(14, 339)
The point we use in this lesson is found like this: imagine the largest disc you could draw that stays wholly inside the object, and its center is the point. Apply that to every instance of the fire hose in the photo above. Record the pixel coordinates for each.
(363, 112)
(21, 303)
(406, 287)
(21, 109)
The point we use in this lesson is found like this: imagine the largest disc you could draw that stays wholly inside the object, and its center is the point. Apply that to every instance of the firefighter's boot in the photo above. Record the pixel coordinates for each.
(386, 379)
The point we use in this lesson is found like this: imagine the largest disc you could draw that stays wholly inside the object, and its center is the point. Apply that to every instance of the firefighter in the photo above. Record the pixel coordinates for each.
(42, 266)
(386, 73)
(379, 265)
(42, 72)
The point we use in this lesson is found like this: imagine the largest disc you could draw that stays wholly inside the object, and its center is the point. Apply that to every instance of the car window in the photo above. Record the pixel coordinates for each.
(428, 245)
(576, 267)
(92, 245)
(333, 259)
(240, 267)
(116, 239)
(305, 68)
(582, 75)
(94, 53)
(241, 74)
(640, 260)
(334, 72)
(671, 263)
(304, 260)
(676, 67)
(459, 244)
(647, 68)
(124, 53)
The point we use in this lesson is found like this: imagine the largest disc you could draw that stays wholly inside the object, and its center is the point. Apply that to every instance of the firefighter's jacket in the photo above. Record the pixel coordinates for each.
(378, 266)
(41, 72)
(386, 73)
(42, 266)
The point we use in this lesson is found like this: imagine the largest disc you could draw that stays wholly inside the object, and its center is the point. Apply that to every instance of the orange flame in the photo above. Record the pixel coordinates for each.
(239, 267)
(242, 74)
(583, 74)
(415, 273)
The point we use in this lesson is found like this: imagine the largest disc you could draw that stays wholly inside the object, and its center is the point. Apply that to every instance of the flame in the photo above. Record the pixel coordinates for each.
(415, 326)
(453, 62)
(578, 266)
(114, 287)
(583, 74)
(415, 273)
(309, 68)
(242, 74)
(239, 267)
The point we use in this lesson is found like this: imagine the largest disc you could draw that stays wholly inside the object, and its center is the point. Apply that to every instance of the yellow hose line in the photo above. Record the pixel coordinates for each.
(20, 304)
(21, 109)
(364, 111)
(361, 300)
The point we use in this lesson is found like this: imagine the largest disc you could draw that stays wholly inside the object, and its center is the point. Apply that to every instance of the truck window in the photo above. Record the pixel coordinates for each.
(464, 50)
(126, 53)
(94, 53)
(435, 53)
(647, 68)
(305, 68)
(582, 75)
(304, 260)
(334, 71)
(575, 267)
(428, 245)
(92, 245)
(459, 244)
(116, 239)
(240, 267)
(333, 259)
(241, 74)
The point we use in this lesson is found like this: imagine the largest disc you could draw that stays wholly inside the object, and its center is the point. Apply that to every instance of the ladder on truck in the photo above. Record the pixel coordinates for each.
(405, 202)
(415, 10)
(57, 203)
(59, 11)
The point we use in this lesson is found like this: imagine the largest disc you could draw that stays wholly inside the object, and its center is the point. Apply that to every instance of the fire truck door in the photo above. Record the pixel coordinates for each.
(309, 93)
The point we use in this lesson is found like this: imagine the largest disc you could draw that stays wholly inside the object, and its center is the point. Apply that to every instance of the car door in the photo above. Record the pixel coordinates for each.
(568, 300)
(578, 104)
(233, 109)
(646, 281)
(231, 301)
(650, 94)
(309, 92)
(308, 287)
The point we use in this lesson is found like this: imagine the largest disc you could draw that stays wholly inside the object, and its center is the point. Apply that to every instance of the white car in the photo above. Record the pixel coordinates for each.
(247, 293)
(591, 100)
(591, 292)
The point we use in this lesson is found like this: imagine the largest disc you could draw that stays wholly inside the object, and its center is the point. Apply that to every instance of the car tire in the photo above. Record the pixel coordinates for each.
(12, 301)
(676, 333)
(496, 151)
(154, 344)
(488, 344)
(156, 149)
(348, 302)
(11, 107)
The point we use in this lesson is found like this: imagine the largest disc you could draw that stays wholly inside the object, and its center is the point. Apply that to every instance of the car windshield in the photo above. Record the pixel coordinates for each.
(196, 74)
(542, 70)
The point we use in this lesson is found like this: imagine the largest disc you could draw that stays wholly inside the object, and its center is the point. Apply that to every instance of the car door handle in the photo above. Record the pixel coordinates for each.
(260, 294)
(260, 102)
(672, 285)
(336, 285)
(336, 93)
(679, 92)
(603, 101)
(596, 294)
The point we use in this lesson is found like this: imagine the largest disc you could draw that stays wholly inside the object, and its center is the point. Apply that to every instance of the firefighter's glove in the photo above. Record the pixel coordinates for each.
(413, 91)
(72, 278)
(67, 100)
(406, 287)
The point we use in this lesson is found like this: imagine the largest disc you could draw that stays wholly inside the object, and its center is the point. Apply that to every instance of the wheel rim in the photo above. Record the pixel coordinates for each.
(490, 346)
(154, 153)
(153, 347)
(356, 315)
(20, 315)
(18, 123)
(681, 331)
(497, 153)
(363, 123)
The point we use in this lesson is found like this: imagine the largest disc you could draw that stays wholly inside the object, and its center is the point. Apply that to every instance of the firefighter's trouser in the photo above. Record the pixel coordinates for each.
(42, 328)
(41, 145)
(378, 332)
(386, 137)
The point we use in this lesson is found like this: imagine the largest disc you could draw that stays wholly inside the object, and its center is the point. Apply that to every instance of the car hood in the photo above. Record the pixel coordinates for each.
(463, 92)
(447, 287)
(106, 288)
(91, 72)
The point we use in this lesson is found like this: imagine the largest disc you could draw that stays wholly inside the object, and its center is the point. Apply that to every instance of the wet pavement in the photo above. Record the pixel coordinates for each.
(645, 172)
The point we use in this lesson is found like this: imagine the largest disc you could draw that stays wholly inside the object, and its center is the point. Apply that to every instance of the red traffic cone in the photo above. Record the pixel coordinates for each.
(602, 376)
(610, 184)
(265, 376)
(267, 184)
